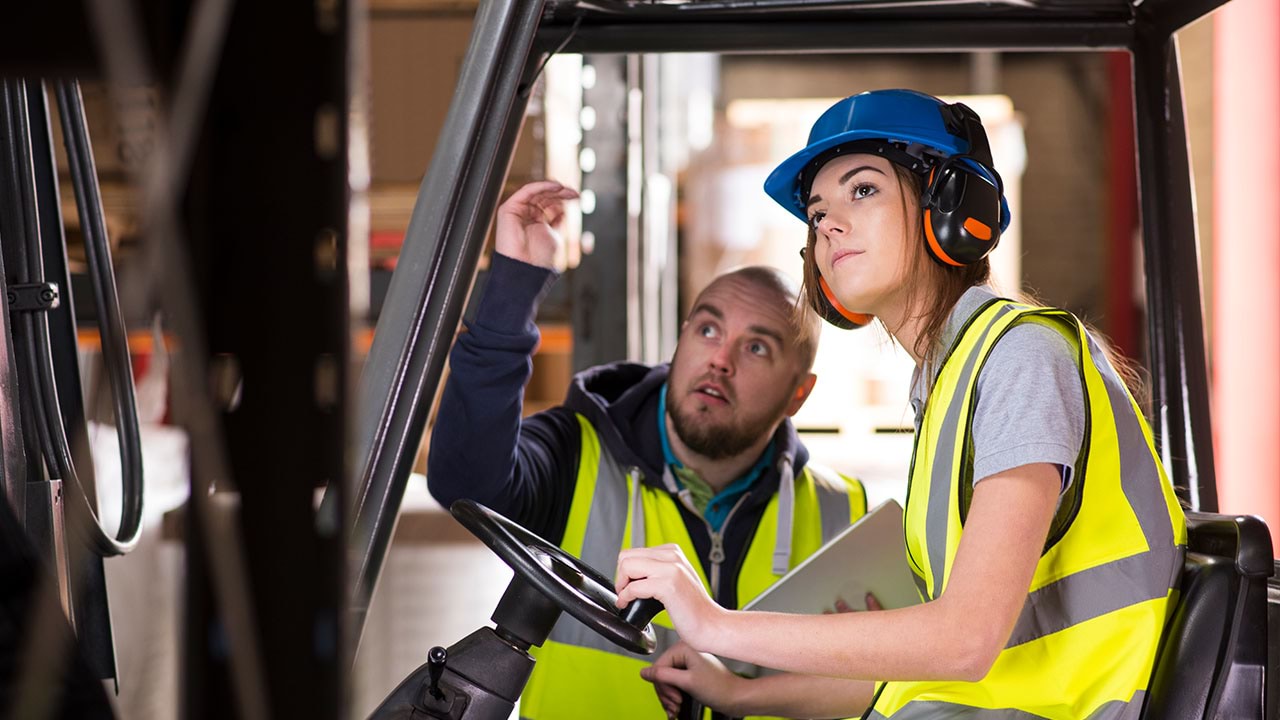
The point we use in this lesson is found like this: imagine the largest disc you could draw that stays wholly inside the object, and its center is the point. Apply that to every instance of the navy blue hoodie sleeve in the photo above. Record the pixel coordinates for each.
(480, 448)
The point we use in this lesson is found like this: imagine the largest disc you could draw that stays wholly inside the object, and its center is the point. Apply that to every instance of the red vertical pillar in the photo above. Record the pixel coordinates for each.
(1246, 258)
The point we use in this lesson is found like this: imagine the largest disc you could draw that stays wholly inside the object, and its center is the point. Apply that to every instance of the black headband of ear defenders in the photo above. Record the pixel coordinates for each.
(916, 158)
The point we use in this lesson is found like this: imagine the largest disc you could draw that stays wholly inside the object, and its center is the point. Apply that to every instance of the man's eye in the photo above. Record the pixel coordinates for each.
(758, 348)
(707, 331)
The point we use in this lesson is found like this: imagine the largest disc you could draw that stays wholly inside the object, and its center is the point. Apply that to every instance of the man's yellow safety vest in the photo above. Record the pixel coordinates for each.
(1085, 642)
(579, 674)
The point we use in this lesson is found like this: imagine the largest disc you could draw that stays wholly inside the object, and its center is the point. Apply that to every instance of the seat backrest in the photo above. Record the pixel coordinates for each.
(1213, 658)
(1273, 643)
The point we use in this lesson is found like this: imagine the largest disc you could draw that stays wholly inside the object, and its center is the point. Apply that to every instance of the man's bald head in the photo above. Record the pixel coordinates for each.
(772, 286)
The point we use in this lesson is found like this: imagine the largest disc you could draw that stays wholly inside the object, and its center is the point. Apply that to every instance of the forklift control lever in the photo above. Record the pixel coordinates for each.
(436, 658)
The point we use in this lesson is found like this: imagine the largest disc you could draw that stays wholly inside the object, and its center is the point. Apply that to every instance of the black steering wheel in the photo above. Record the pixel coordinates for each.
(566, 581)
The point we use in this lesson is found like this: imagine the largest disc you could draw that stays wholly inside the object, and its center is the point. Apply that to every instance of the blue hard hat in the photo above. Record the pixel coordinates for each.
(914, 124)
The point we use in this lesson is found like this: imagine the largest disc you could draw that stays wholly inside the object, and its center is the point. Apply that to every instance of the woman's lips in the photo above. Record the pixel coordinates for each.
(840, 255)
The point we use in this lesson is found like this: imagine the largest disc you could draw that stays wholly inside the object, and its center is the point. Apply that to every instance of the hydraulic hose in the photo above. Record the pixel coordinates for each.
(115, 346)
(37, 352)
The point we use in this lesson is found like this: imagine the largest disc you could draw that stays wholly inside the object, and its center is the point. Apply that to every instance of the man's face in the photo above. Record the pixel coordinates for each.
(736, 372)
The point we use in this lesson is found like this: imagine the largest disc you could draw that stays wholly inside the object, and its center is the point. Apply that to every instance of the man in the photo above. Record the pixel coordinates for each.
(699, 453)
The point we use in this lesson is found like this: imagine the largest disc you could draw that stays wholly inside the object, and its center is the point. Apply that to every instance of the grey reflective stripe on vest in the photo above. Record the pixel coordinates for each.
(601, 544)
(1127, 581)
(835, 507)
(937, 710)
(602, 540)
(786, 516)
(1139, 476)
(940, 480)
(1092, 593)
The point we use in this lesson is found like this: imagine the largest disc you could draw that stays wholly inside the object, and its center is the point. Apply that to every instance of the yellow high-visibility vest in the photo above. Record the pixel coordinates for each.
(1085, 642)
(579, 674)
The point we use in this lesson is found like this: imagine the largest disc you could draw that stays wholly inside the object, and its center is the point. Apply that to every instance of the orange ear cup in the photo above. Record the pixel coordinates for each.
(857, 319)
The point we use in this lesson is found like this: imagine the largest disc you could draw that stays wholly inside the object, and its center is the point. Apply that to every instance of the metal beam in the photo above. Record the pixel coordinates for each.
(434, 274)
(270, 253)
(1165, 17)
(1180, 392)
(844, 36)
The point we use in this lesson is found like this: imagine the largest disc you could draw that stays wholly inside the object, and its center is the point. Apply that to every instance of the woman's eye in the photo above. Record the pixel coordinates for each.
(816, 219)
(863, 190)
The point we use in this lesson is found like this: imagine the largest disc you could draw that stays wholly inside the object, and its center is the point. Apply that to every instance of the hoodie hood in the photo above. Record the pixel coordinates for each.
(621, 401)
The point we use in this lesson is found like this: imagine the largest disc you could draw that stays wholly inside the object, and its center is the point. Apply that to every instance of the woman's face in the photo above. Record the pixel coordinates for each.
(861, 246)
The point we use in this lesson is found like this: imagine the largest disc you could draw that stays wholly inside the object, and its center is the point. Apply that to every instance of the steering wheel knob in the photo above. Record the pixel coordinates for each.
(640, 612)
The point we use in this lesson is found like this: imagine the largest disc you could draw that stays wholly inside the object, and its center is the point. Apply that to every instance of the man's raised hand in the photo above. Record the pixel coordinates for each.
(527, 222)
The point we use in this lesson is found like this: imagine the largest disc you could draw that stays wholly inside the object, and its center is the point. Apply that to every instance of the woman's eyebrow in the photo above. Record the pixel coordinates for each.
(844, 179)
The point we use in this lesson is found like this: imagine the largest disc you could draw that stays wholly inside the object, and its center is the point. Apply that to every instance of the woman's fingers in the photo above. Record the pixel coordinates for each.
(637, 563)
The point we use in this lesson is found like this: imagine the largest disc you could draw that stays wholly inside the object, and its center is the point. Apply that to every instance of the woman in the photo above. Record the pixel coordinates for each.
(1040, 526)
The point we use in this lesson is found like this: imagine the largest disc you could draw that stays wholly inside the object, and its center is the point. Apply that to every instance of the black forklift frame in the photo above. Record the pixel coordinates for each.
(511, 41)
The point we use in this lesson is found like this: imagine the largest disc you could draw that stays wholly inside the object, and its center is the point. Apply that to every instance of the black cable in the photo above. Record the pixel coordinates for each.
(38, 379)
(115, 348)
(15, 106)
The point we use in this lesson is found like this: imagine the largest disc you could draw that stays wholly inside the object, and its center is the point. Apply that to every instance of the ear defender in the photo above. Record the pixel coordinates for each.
(830, 309)
(963, 205)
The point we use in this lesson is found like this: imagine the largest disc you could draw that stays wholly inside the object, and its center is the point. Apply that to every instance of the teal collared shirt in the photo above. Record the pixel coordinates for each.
(714, 506)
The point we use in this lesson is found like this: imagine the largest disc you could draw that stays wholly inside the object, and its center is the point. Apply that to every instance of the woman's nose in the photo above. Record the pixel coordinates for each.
(832, 225)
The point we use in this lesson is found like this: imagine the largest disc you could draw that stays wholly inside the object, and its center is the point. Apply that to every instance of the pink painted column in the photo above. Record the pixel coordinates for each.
(1245, 345)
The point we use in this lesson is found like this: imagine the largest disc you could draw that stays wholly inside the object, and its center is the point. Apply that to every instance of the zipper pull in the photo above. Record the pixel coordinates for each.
(717, 548)
(716, 557)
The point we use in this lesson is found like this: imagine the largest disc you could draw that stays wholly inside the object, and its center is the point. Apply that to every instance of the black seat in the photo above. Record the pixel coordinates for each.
(1212, 662)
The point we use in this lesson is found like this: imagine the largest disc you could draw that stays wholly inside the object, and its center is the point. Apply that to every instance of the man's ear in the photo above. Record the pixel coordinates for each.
(801, 394)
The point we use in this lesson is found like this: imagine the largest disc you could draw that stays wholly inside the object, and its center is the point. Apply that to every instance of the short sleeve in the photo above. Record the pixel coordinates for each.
(1030, 404)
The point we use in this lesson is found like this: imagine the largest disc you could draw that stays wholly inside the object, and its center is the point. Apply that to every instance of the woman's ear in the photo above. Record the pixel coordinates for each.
(802, 393)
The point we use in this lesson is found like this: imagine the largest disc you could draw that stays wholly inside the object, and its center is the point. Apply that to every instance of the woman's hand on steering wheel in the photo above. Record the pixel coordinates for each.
(664, 573)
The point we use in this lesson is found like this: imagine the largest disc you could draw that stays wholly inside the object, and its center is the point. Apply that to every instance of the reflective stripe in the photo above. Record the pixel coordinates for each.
(937, 710)
(921, 586)
(835, 508)
(1139, 477)
(1076, 597)
(934, 710)
(940, 481)
(637, 509)
(786, 515)
(603, 539)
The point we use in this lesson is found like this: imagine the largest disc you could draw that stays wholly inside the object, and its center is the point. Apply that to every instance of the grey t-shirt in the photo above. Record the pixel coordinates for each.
(1030, 403)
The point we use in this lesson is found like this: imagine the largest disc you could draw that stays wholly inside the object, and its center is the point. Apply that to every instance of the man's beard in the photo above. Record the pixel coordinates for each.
(720, 441)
